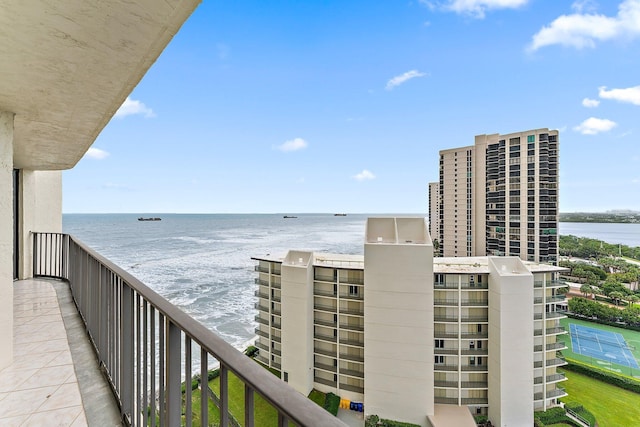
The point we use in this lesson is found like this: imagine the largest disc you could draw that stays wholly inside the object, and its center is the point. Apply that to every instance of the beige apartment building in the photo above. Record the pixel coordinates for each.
(498, 197)
(415, 338)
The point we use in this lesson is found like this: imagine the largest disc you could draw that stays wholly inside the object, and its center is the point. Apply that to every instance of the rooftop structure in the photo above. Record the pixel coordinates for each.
(409, 334)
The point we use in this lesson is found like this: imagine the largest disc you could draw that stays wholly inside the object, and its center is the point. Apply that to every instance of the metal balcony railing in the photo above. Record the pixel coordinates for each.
(145, 345)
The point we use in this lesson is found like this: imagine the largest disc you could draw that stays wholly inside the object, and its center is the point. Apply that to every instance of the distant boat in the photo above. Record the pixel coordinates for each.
(340, 214)
(149, 219)
(289, 216)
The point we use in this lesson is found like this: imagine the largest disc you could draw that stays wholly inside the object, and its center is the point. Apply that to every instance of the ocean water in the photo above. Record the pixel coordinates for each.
(626, 234)
(202, 263)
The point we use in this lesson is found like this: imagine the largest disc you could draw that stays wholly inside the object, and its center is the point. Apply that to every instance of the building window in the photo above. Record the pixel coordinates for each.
(472, 361)
(353, 291)
(439, 360)
(286, 377)
(439, 343)
(531, 138)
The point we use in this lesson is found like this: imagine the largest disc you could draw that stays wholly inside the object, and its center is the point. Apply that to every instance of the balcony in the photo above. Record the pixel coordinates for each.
(146, 345)
(446, 400)
(327, 308)
(352, 357)
(352, 373)
(445, 302)
(445, 384)
(324, 381)
(475, 400)
(350, 387)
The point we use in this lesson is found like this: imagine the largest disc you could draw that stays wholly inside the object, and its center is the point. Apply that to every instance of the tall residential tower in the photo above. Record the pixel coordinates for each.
(499, 197)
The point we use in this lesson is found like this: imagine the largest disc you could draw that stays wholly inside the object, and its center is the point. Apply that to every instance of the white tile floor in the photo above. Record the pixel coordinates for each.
(40, 387)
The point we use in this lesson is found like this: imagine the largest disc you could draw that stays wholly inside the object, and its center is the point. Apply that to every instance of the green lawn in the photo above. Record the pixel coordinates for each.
(631, 337)
(612, 406)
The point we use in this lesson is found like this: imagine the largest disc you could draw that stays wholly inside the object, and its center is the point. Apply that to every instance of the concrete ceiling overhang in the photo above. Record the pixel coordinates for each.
(66, 66)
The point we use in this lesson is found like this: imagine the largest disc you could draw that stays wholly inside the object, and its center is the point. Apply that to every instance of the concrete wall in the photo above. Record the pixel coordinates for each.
(398, 331)
(6, 238)
(40, 211)
(510, 342)
(297, 320)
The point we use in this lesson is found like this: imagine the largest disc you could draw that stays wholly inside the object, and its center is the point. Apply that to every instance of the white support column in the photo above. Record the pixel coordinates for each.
(6, 238)
(398, 324)
(40, 211)
(511, 342)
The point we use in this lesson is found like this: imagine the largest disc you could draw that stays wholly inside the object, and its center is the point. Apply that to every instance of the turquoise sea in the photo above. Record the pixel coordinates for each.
(202, 263)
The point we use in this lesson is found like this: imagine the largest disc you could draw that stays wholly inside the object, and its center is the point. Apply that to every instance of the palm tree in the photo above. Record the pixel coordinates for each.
(586, 289)
(616, 296)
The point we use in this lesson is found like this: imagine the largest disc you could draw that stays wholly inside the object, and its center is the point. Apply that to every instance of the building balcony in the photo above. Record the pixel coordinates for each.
(325, 367)
(445, 384)
(325, 381)
(556, 314)
(445, 302)
(324, 293)
(556, 346)
(551, 394)
(474, 384)
(354, 297)
(352, 357)
(261, 295)
(262, 346)
(352, 327)
(324, 307)
(352, 373)
(352, 311)
(352, 342)
(327, 323)
(446, 400)
(444, 335)
(323, 352)
(327, 338)
(555, 330)
(480, 368)
(443, 367)
(475, 401)
(145, 345)
(261, 282)
(474, 303)
(351, 387)
(445, 351)
(261, 320)
(475, 352)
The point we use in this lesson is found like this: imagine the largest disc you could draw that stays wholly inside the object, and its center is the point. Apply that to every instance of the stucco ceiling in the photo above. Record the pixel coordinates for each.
(67, 66)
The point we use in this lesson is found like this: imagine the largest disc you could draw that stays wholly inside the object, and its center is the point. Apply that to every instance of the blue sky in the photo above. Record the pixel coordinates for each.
(342, 106)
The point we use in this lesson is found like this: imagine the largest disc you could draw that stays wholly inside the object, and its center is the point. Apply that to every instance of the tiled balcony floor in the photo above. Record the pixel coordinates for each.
(41, 387)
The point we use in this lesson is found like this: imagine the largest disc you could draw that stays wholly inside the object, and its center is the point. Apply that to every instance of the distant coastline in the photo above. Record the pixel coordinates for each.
(626, 217)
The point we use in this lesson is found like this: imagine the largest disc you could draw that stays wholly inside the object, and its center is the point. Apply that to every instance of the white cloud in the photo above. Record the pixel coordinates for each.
(403, 78)
(475, 8)
(593, 125)
(131, 106)
(630, 94)
(292, 145)
(365, 175)
(584, 6)
(582, 30)
(96, 153)
(590, 103)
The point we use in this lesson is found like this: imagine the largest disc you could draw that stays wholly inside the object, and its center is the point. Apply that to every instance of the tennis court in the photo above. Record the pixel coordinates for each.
(600, 344)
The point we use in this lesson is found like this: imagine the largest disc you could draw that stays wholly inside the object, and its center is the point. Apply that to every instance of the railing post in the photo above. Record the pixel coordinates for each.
(126, 351)
(224, 396)
(248, 406)
(174, 394)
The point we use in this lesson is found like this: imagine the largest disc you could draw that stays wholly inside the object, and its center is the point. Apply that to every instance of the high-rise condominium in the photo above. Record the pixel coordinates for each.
(498, 197)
